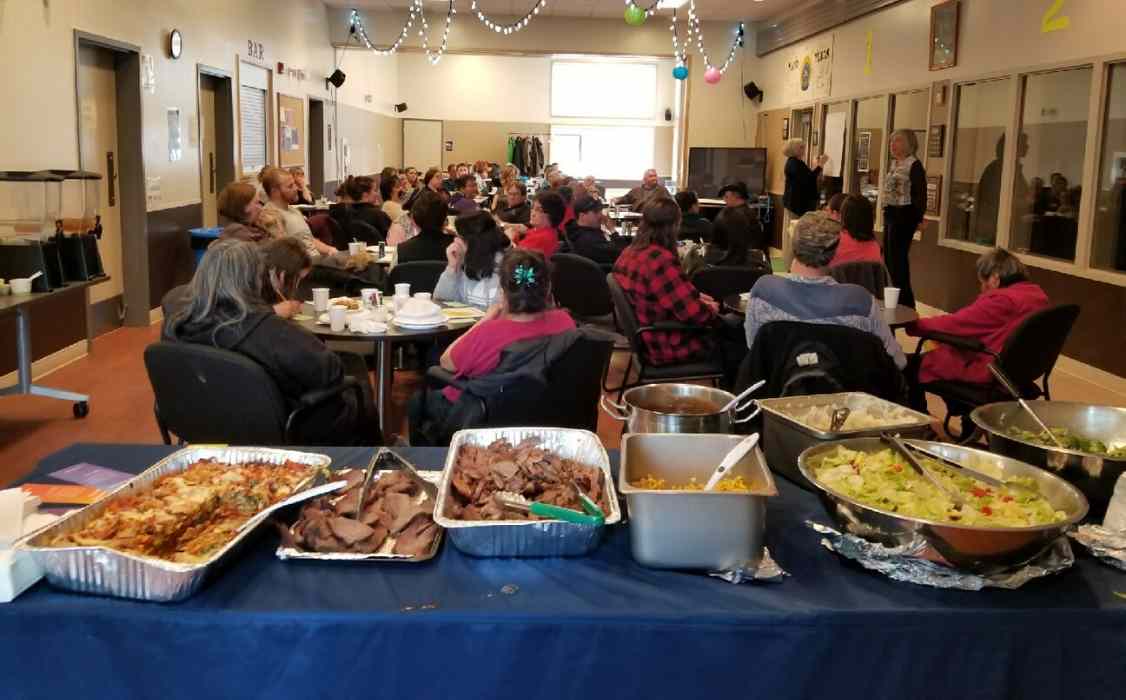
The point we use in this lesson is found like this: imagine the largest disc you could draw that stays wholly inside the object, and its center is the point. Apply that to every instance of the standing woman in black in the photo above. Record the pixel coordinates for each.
(801, 182)
(905, 201)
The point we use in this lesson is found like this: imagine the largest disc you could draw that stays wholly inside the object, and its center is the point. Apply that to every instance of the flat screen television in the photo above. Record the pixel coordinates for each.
(711, 168)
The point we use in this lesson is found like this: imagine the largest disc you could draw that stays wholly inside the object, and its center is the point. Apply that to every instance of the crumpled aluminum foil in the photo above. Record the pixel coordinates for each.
(767, 570)
(1106, 544)
(904, 563)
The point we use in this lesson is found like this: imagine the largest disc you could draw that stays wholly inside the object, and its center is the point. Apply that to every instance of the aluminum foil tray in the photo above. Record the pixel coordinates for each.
(284, 552)
(522, 538)
(105, 571)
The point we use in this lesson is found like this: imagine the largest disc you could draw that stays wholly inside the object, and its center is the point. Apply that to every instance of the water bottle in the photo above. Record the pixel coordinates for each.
(382, 249)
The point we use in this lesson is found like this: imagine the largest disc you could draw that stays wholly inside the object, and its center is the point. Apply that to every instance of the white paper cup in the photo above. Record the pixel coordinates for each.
(355, 321)
(397, 302)
(21, 285)
(337, 317)
(422, 295)
(891, 297)
(320, 299)
(371, 297)
(356, 247)
(403, 289)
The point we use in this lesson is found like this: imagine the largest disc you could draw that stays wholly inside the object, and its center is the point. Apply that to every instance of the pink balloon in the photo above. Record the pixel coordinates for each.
(712, 76)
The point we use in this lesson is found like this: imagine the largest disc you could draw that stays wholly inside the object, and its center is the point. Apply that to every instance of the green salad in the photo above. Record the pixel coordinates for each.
(1070, 441)
(885, 481)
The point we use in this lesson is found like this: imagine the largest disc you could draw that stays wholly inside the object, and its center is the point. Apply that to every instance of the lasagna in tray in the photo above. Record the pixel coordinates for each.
(187, 516)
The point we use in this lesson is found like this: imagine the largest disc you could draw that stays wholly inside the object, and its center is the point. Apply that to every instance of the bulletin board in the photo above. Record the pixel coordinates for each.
(291, 131)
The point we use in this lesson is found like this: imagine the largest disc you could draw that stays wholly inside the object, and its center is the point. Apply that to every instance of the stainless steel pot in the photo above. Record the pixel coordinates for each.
(972, 548)
(651, 409)
(1095, 475)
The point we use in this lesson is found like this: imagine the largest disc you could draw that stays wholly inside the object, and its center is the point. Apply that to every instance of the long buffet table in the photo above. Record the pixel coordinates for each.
(601, 626)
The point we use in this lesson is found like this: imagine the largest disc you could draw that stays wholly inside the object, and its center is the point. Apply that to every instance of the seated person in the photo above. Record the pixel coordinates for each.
(449, 182)
(523, 312)
(858, 239)
(731, 245)
(812, 296)
(464, 199)
(239, 207)
(546, 223)
(834, 205)
(593, 188)
(285, 264)
(391, 191)
(431, 181)
(735, 198)
(586, 237)
(472, 262)
(361, 203)
(304, 194)
(568, 194)
(224, 308)
(429, 214)
(516, 209)
(282, 192)
(650, 275)
(693, 226)
(1007, 297)
(649, 190)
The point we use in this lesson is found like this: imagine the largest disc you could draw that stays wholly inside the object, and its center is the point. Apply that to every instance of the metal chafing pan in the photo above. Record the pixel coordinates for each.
(1094, 474)
(105, 571)
(528, 538)
(785, 437)
(714, 530)
(971, 548)
(284, 552)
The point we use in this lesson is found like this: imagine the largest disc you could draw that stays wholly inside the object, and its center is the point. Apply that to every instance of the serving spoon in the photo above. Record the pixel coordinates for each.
(922, 471)
(731, 459)
(746, 392)
(1004, 380)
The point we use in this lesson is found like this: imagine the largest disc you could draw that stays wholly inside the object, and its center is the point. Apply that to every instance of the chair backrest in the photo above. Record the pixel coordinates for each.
(799, 358)
(720, 282)
(205, 394)
(873, 276)
(625, 317)
(422, 275)
(324, 228)
(1031, 350)
(579, 286)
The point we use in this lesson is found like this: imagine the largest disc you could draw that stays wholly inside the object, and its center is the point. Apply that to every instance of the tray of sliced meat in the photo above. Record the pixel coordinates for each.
(544, 465)
(395, 523)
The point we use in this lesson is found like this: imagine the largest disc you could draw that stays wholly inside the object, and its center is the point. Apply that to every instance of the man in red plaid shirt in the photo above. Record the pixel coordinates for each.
(649, 273)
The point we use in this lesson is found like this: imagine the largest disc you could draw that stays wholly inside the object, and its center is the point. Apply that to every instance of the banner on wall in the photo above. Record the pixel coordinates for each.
(809, 71)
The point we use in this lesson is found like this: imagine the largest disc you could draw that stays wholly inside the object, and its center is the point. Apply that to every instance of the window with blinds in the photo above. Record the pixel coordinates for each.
(252, 111)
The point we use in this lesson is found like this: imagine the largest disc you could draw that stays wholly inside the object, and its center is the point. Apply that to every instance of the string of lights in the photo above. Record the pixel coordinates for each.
(680, 52)
(357, 27)
(695, 32)
(424, 31)
(512, 27)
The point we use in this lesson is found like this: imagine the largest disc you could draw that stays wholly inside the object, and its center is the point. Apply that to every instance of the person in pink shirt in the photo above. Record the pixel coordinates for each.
(522, 312)
(548, 211)
(1007, 297)
(858, 239)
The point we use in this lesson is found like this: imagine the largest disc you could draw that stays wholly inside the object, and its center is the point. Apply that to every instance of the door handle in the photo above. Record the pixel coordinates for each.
(111, 177)
(211, 172)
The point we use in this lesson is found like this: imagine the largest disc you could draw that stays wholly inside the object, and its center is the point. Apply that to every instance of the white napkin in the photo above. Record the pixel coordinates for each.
(18, 517)
(1116, 512)
(419, 309)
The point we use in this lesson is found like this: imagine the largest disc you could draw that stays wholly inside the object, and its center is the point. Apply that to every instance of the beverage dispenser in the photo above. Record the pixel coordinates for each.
(80, 224)
(30, 206)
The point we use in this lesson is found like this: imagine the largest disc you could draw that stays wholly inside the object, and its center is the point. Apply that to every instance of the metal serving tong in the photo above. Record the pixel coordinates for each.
(1004, 380)
(837, 421)
(909, 457)
(592, 516)
(393, 461)
(972, 473)
(365, 481)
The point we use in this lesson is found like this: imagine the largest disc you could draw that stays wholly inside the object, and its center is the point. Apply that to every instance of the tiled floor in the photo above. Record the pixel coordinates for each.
(121, 403)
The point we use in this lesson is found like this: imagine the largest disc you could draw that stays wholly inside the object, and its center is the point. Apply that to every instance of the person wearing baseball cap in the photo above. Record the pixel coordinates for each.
(737, 214)
(734, 195)
(586, 237)
(810, 295)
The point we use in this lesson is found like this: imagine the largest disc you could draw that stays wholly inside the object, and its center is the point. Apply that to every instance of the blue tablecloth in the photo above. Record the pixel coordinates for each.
(577, 628)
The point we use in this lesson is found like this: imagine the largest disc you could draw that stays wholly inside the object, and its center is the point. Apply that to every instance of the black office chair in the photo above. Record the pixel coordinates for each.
(579, 285)
(422, 275)
(721, 281)
(629, 326)
(1028, 355)
(205, 394)
(568, 398)
(873, 276)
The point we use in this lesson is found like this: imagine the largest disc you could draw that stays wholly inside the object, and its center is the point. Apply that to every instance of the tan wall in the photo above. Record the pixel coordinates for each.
(483, 140)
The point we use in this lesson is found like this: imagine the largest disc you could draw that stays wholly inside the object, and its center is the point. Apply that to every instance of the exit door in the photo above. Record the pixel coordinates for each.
(216, 141)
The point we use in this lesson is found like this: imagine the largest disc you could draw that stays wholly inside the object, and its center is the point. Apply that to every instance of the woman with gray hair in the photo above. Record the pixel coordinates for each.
(801, 182)
(224, 308)
(905, 202)
(810, 295)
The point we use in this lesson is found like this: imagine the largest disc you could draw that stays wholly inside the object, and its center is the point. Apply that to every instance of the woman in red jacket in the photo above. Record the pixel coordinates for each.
(547, 219)
(1007, 297)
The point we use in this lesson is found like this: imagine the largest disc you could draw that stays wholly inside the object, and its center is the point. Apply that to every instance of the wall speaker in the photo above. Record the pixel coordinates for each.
(337, 78)
(401, 107)
(668, 115)
(752, 91)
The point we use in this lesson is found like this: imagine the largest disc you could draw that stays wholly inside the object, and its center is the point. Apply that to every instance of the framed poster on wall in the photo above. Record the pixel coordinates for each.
(934, 194)
(863, 147)
(944, 35)
(291, 131)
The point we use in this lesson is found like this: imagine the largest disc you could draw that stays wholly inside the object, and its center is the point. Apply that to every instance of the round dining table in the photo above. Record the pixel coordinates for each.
(384, 343)
(898, 317)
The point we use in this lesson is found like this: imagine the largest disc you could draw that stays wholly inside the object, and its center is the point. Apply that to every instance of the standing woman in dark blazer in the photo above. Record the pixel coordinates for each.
(905, 201)
(801, 182)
